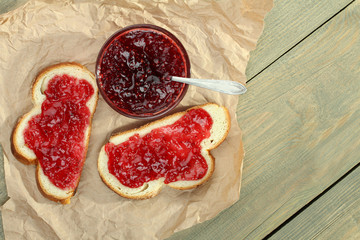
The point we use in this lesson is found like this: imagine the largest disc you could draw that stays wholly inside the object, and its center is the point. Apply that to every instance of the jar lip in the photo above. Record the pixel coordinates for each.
(155, 28)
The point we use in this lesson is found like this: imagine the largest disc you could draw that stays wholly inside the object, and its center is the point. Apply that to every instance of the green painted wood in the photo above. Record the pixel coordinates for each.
(1, 230)
(8, 5)
(345, 227)
(336, 215)
(274, 187)
(3, 192)
(286, 25)
(300, 119)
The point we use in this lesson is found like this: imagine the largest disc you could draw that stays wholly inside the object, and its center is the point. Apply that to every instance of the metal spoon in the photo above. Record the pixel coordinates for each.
(223, 86)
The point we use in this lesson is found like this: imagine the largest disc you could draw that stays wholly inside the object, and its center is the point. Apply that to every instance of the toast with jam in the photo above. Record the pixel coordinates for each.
(173, 151)
(55, 133)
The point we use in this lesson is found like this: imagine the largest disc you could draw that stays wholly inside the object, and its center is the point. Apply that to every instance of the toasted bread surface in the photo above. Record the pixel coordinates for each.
(218, 132)
(26, 155)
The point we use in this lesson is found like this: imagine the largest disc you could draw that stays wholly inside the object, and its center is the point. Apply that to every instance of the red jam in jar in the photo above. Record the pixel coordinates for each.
(57, 135)
(134, 69)
(172, 152)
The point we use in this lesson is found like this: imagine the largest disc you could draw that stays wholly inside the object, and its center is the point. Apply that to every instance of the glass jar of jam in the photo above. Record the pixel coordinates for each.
(134, 67)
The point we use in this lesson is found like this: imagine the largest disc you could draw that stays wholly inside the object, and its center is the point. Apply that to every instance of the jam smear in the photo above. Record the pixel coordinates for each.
(172, 152)
(135, 71)
(57, 134)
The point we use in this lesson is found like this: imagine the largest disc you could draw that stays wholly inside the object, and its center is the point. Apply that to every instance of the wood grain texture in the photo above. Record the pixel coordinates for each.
(8, 5)
(344, 227)
(293, 21)
(336, 215)
(300, 119)
(3, 192)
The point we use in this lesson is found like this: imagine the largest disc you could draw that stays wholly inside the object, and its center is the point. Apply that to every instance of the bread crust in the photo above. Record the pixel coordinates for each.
(45, 193)
(211, 165)
(14, 148)
(28, 161)
(48, 69)
(142, 197)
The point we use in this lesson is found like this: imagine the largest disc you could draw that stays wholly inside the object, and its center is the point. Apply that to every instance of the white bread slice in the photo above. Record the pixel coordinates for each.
(218, 132)
(27, 156)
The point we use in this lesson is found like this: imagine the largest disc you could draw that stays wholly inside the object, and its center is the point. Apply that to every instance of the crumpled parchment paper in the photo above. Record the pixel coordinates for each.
(218, 36)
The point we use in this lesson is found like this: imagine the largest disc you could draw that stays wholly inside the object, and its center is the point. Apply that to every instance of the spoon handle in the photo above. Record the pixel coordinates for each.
(223, 86)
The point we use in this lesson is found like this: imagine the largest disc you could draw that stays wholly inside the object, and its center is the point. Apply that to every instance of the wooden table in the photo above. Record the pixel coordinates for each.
(300, 120)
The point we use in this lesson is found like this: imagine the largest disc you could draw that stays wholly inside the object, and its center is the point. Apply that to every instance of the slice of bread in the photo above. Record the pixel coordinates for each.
(26, 155)
(218, 132)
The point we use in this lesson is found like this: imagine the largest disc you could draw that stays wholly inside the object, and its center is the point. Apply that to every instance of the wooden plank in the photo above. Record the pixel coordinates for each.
(336, 215)
(3, 192)
(287, 24)
(257, 174)
(300, 119)
(8, 5)
(346, 227)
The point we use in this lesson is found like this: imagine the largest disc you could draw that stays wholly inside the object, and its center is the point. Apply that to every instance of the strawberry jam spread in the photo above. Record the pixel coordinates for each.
(134, 71)
(57, 134)
(172, 152)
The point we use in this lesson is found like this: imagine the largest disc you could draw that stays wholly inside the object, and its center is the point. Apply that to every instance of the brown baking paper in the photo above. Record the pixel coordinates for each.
(218, 36)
